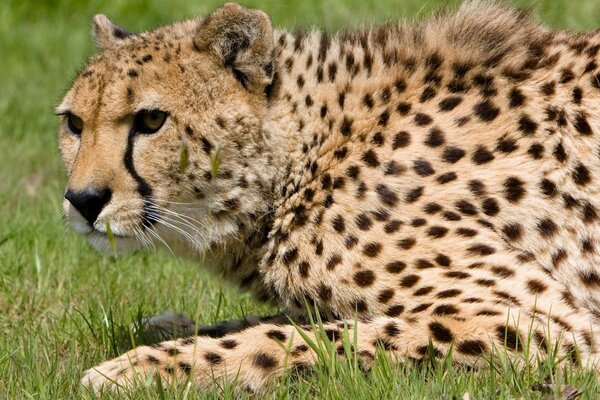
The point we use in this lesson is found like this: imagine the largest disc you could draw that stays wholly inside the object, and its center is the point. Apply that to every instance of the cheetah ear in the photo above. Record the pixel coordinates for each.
(106, 33)
(243, 40)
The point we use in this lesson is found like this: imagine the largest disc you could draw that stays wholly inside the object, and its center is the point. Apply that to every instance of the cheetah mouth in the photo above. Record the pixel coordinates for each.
(115, 243)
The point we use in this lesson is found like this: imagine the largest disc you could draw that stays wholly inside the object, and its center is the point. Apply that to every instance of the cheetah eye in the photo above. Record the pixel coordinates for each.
(74, 124)
(149, 121)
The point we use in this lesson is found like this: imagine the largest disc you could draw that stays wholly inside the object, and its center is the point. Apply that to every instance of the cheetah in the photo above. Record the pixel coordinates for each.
(429, 186)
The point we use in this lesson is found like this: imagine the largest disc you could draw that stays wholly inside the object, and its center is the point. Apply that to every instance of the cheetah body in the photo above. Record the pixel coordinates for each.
(437, 180)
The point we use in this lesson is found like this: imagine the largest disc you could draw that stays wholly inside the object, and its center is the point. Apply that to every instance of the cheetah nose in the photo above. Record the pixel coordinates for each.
(89, 202)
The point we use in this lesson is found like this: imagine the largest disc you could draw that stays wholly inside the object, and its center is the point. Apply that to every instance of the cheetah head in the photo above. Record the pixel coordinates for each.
(161, 132)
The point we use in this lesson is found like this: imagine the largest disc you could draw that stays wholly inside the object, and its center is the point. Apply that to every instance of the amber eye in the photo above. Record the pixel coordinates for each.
(75, 124)
(149, 121)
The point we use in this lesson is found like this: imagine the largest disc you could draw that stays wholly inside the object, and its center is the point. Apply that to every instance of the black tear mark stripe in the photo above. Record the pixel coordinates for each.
(149, 217)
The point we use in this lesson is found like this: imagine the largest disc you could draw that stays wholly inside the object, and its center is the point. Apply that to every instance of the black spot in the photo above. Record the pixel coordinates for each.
(423, 119)
(559, 152)
(333, 262)
(385, 296)
(423, 167)
(513, 189)
(450, 103)
(395, 267)
(435, 138)
(384, 118)
(276, 335)
(582, 125)
(516, 97)
(472, 347)
(212, 358)
(353, 171)
(457, 275)
(338, 223)
(510, 337)
(421, 307)
(432, 208)
(386, 195)
(446, 294)
(482, 156)
(536, 287)
(506, 145)
(451, 216)
(401, 139)
(423, 264)
(392, 226)
(414, 194)
(437, 232)
(264, 361)
(477, 187)
(228, 344)
(486, 111)
(445, 309)
(323, 111)
(364, 278)
(466, 208)
(490, 207)
(503, 272)
(427, 94)
(185, 367)
(290, 255)
(446, 177)
(527, 125)
(417, 222)
(407, 243)
(363, 222)
(409, 281)
(403, 108)
(547, 227)
(513, 231)
(581, 175)
(440, 332)
(443, 260)
(324, 292)
(369, 157)
(372, 249)
(391, 329)
(423, 291)
(400, 85)
(303, 268)
(346, 127)
(481, 249)
(466, 232)
(589, 213)
(452, 154)
(394, 310)
(536, 151)
(393, 168)
(548, 188)
(378, 139)
(549, 88)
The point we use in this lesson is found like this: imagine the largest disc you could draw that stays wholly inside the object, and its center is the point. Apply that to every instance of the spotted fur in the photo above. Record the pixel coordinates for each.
(436, 179)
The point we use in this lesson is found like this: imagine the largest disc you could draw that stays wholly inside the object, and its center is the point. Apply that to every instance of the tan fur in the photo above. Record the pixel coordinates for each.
(438, 180)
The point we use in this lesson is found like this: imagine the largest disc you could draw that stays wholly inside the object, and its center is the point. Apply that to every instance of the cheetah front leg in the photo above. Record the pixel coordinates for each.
(172, 325)
(257, 356)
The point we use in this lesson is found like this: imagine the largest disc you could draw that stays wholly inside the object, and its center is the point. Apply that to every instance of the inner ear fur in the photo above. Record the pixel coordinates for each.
(243, 40)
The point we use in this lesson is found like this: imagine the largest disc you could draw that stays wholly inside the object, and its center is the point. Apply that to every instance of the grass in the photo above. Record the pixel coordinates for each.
(63, 308)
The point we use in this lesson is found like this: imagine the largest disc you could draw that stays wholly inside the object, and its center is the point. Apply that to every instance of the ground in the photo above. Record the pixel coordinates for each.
(63, 308)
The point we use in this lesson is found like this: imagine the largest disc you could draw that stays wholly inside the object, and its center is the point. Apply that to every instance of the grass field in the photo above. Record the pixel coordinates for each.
(63, 308)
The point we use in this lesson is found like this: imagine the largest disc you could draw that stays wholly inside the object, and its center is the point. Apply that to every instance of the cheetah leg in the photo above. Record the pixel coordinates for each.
(172, 325)
(256, 356)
